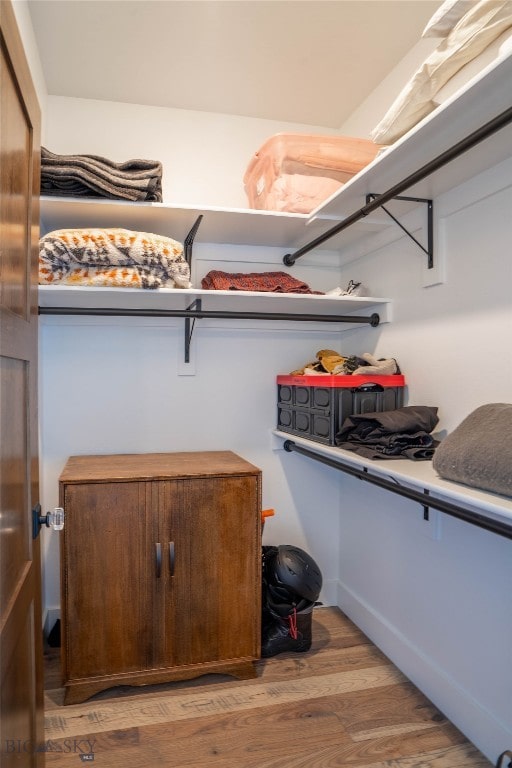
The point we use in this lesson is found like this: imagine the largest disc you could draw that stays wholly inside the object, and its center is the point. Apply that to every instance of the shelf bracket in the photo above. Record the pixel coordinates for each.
(429, 250)
(426, 508)
(471, 140)
(189, 327)
(189, 240)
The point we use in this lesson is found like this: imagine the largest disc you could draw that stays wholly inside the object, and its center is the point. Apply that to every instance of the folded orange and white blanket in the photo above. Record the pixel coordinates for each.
(112, 258)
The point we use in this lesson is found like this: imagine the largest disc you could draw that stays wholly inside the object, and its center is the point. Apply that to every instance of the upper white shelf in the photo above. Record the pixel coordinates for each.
(480, 101)
(233, 226)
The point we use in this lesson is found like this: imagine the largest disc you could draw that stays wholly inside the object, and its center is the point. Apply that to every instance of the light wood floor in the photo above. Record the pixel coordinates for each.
(341, 704)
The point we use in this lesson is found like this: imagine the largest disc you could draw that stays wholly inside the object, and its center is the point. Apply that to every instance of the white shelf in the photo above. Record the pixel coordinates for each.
(419, 475)
(483, 99)
(234, 226)
(178, 299)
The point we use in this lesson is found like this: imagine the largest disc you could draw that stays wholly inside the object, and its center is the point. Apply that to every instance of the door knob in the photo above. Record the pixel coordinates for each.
(54, 520)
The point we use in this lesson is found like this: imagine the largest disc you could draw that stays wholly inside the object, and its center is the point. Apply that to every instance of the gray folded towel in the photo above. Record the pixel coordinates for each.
(479, 451)
(94, 176)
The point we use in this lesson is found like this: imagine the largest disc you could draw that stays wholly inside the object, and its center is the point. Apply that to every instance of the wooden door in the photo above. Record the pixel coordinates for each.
(21, 655)
(211, 603)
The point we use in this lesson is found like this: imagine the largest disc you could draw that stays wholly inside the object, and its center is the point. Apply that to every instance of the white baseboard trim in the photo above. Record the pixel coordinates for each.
(329, 593)
(479, 725)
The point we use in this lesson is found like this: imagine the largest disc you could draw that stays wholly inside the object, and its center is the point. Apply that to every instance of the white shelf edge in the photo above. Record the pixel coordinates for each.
(172, 298)
(229, 226)
(56, 200)
(201, 292)
(416, 474)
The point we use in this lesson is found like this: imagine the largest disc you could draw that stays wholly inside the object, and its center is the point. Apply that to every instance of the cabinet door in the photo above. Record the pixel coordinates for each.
(107, 586)
(210, 608)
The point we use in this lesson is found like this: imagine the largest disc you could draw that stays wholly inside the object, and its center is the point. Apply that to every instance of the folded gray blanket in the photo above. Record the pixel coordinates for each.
(94, 176)
(479, 451)
(400, 434)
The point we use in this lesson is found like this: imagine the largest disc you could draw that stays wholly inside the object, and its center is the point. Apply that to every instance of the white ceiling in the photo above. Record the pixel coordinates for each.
(300, 61)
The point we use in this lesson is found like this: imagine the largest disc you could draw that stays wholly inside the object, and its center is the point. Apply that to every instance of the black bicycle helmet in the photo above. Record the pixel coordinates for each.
(291, 575)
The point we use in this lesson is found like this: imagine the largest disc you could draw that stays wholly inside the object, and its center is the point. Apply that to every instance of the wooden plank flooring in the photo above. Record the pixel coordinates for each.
(341, 704)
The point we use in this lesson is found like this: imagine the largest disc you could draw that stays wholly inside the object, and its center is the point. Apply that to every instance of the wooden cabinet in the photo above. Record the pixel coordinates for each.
(160, 569)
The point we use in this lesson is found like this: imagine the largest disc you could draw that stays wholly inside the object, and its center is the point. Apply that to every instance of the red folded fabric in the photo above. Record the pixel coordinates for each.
(271, 282)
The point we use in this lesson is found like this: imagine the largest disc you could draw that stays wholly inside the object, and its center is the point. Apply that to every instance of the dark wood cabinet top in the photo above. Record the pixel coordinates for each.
(154, 466)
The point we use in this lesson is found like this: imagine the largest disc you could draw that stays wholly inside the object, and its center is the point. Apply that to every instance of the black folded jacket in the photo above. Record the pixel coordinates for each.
(398, 434)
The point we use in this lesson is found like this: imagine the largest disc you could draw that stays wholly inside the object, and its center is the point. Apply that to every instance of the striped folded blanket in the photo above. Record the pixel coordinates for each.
(94, 176)
(270, 282)
(112, 258)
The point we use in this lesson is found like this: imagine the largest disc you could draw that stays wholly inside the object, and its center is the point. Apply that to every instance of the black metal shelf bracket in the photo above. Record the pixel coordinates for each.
(470, 141)
(189, 328)
(426, 508)
(429, 250)
(424, 498)
(501, 762)
(189, 240)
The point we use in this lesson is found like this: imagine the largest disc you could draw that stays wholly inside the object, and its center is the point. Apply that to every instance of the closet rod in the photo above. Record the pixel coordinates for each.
(474, 138)
(423, 497)
(372, 320)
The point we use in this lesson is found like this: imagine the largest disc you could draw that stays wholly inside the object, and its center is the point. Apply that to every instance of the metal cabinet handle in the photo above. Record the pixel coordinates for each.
(158, 548)
(171, 557)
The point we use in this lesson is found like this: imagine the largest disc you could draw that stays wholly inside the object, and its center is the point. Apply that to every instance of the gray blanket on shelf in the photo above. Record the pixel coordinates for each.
(94, 176)
(478, 452)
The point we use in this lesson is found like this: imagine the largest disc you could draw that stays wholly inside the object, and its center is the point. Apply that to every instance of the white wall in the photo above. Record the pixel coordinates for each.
(441, 608)
(204, 155)
(369, 113)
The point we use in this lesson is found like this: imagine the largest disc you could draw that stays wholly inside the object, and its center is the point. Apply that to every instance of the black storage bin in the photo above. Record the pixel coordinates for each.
(315, 407)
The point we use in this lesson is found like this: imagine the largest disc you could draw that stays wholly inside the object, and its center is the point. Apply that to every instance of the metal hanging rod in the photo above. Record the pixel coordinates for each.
(195, 311)
(423, 497)
(372, 319)
(470, 141)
